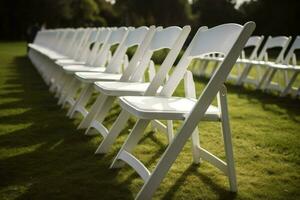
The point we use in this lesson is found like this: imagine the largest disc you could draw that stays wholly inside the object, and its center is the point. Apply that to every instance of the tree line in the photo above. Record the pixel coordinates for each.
(273, 17)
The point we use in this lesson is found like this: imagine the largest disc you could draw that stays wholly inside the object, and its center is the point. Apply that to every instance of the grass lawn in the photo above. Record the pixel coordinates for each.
(43, 156)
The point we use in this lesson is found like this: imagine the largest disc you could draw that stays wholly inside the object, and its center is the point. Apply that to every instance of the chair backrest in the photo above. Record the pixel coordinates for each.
(228, 40)
(275, 42)
(86, 47)
(116, 37)
(101, 39)
(291, 56)
(253, 42)
(61, 40)
(67, 41)
(134, 37)
(79, 39)
(56, 38)
(171, 38)
(44, 38)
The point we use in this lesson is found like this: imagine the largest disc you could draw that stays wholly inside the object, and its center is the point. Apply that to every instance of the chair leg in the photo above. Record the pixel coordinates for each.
(215, 66)
(203, 67)
(131, 141)
(244, 74)
(54, 84)
(196, 146)
(68, 86)
(60, 83)
(70, 95)
(166, 129)
(165, 163)
(93, 111)
(222, 101)
(52, 72)
(101, 114)
(114, 132)
(263, 79)
(64, 88)
(82, 100)
(289, 85)
(269, 79)
(170, 130)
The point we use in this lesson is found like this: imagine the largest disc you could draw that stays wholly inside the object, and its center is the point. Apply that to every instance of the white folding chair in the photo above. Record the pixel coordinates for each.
(95, 46)
(228, 39)
(81, 53)
(171, 38)
(75, 49)
(135, 37)
(290, 70)
(116, 37)
(137, 88)
(66, 48)
(262, 60)
(253, 43)
(45, 45)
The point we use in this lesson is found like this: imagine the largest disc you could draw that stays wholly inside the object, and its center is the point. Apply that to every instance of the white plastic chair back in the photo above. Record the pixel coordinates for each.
(291, 56)
(61, 41)
(67, 41)
(133, 38)
(101, 38)
(275, 42)
(254, 42)
(55, 41)
(208, 41)
(90, 40)
(116, 37)
(169, 38)
(77, 42)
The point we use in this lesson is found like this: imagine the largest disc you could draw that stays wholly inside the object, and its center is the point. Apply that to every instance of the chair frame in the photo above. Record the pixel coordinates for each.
(289, 64)
(152, 180)
(272, 42)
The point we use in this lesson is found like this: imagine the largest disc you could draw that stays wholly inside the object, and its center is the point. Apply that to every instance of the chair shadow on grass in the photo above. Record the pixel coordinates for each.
(192, 170)
(49, 158)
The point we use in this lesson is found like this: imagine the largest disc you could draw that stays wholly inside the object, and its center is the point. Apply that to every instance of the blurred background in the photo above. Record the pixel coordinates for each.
(19, 17)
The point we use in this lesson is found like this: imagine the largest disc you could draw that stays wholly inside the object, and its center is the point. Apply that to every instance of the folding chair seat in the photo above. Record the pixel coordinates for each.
(174, 108)
(121, 88)
(135, 37)
(227, 39)
(262, 61)
(88, 77)
(171, 38)
(289, 69)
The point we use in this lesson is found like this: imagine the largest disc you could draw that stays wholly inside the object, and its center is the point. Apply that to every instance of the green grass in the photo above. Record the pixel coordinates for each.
(43, 156)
